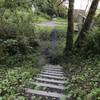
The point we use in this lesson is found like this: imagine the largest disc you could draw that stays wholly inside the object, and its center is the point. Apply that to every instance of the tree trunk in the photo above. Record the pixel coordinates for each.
(70, 29)
(81, 38)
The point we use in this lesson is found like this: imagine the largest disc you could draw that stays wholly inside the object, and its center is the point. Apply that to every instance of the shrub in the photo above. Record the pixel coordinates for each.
(10, 46)
(23, 45)
(33, 42)
(93, 41)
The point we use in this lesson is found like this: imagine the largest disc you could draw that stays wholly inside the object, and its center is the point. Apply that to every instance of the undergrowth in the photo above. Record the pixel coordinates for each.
(83, 78)
(13, 79)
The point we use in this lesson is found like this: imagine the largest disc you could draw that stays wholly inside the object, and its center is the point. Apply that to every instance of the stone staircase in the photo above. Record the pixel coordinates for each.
(49, 84)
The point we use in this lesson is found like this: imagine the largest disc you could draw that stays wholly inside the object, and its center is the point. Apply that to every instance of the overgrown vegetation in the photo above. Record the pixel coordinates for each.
(83, 78)
(83, 68)
(14, 81)
(21, 41)
(92, 44)
(51, 7)
(18, 48)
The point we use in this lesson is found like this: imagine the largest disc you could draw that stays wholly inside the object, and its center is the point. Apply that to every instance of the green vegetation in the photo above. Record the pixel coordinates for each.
(83, 78)
(18, 65)
(18, 49)
(46, 30)
(63, 20)
(50, 7)
(22, 44)
(14, 81)
(83, 67)
(42, 19)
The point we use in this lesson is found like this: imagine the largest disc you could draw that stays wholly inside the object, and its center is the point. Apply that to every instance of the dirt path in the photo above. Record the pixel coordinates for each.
(51, 24)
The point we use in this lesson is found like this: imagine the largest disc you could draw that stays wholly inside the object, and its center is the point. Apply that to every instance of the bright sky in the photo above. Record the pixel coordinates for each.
(81, 4)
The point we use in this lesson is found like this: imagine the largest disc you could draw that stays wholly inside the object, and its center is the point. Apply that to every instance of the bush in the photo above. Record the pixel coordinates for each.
(16, 22)
(93, 41)
(33, 43)
(44, 15)
(10, 46)
(21, 45)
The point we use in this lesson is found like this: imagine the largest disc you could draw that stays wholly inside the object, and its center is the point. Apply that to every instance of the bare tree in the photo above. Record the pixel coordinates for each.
(81, 38)
(70, 29)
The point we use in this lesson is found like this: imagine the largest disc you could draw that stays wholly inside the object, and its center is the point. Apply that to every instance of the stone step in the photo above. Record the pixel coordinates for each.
(43, 93)
(48, 85)
(50, 80)
(59, 72)
(51, 66)
(50, 69)
(51, 76)
(54, 74)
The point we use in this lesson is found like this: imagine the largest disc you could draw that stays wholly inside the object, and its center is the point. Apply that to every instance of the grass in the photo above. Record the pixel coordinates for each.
(42, 19)
(43, 32)
(49, 29)
(61, 20)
